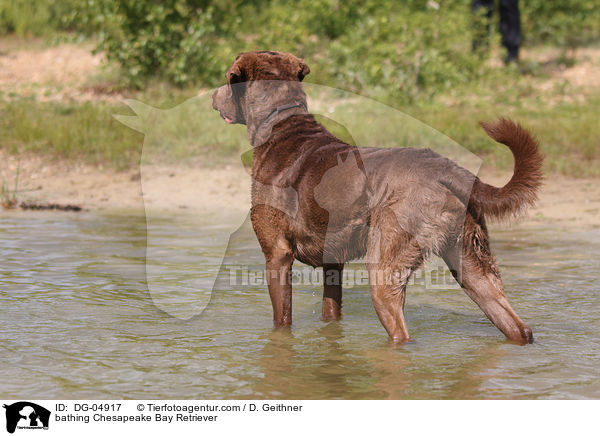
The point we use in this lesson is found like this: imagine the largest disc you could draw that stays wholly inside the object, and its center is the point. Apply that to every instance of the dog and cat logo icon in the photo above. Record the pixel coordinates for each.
(26, 415)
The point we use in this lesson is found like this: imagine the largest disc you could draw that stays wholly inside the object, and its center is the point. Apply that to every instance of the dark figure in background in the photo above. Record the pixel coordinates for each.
(510, 25)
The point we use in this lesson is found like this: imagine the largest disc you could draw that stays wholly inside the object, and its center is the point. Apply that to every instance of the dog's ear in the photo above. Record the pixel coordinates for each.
(236, 73)
(303, 70)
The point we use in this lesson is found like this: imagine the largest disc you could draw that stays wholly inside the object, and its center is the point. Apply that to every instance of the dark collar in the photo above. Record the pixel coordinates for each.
(283, 108)
(274, 112)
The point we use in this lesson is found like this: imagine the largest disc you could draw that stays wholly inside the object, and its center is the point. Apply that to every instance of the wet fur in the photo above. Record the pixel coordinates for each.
(397, 207)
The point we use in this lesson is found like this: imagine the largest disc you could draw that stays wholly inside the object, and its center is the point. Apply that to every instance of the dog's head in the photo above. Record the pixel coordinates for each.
(257, 82)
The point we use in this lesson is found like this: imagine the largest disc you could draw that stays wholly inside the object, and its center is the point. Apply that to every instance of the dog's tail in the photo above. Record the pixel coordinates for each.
(521, 190)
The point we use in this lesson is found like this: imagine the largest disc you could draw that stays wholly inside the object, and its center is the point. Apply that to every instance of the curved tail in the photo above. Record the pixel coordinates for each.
(521, 190)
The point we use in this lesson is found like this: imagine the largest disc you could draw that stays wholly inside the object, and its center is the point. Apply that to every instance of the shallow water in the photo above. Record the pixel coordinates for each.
(78, 321)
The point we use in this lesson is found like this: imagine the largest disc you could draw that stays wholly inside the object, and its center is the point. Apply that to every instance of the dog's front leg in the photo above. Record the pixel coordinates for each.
(267, 223)
(332, 292)
(279, 267)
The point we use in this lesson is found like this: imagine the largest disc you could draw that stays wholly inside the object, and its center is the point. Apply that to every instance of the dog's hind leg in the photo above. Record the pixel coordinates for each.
(474, 267)
(332, 292)
(392, 256)
(388, 291)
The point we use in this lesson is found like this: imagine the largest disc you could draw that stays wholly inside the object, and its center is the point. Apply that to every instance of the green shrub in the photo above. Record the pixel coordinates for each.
(46, 17)
(398, 49)
(567, 23)
(402, 48)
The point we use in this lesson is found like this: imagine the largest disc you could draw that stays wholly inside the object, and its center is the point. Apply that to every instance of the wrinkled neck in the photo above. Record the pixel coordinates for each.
(295, 135)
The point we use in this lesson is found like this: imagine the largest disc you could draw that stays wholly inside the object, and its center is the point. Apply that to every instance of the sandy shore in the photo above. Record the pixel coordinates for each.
(564, 202)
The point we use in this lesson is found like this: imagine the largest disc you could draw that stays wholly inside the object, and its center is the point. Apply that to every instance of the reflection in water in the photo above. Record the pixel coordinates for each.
(303, 368)
(321, 366)
(78, 321)
(391, 380)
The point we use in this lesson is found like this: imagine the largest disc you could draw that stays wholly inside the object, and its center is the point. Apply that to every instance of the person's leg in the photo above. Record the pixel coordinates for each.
(482, 11)
(510, 28)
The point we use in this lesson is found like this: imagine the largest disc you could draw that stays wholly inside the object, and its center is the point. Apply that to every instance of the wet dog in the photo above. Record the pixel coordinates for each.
(324, 202)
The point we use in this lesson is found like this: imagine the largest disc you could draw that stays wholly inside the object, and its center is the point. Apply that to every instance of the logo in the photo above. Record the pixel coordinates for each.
(26, 415)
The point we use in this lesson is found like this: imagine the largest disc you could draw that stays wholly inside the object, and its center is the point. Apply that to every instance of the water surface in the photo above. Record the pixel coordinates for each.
(78, 321)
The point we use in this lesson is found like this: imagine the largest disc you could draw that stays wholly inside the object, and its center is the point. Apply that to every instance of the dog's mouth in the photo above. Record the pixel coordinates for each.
(226, 118)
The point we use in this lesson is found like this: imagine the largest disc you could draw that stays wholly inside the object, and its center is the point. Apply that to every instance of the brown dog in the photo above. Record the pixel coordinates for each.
(393, 206)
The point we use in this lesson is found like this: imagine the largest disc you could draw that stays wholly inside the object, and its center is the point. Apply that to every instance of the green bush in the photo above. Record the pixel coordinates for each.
(423, 54)
(400, 49)
(567, 23)
(46, 17)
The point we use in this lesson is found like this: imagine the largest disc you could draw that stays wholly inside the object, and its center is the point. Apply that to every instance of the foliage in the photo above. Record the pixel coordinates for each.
(190, 41)
(397, 49)
(46, 17)
(567, 23)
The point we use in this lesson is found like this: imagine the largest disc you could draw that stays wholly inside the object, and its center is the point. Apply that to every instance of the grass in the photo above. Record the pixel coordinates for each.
(8, 196)
(75, 131)
(569, 133)
(88, 132)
